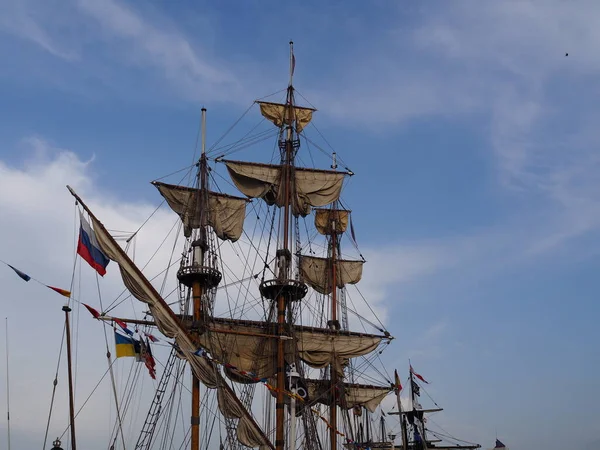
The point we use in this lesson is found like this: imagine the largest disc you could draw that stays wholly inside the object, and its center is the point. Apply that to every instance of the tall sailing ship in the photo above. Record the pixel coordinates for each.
(282, 354)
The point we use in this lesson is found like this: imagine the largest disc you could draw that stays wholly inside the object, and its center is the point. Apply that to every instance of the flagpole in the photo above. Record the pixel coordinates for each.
(7, 388)
(66, 309)
(292, 62)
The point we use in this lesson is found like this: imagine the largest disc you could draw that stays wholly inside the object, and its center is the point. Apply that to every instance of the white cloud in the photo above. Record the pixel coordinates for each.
(39, 228)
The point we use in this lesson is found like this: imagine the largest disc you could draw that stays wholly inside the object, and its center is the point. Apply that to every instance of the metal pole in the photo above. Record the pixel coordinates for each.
(7, 389)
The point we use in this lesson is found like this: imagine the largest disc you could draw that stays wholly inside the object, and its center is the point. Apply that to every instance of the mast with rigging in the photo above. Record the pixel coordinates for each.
(195, 277)
(230, 355)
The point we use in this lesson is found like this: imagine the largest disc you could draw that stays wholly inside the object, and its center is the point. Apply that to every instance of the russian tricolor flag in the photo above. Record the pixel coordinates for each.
(88, 248)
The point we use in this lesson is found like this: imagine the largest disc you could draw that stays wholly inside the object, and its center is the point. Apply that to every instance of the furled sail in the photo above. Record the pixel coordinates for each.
(248, 431)
(316, 272)
(319, 347)
(226, 213)
(279, 114)
(310, 187)
(254, 347)
(246, 352)
(326, 218)
(354, 394)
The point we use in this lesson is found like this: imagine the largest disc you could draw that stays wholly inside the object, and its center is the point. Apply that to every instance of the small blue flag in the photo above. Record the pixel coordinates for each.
(23, 275)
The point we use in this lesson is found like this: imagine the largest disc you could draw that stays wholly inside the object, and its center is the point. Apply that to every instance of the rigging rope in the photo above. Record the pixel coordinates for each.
(145, 221)
(188, 168)
(449, 436)
(229, 129)
(55, 383)
(86, 400)
(244, 142)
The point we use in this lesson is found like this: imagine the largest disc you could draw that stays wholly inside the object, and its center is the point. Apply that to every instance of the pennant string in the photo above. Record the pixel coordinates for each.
(26, 277)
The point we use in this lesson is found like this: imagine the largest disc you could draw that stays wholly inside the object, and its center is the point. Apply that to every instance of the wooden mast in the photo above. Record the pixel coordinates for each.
(199, 248)
(333, 371)
(284, 257)
(67, 310)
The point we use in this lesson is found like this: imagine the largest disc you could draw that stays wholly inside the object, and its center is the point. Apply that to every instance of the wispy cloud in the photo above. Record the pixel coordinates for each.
(533, 97)
(25, 19)
(183, 63)
(110, 40)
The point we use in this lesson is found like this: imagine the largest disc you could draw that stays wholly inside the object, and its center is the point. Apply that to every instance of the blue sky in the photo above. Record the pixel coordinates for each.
(472, 135)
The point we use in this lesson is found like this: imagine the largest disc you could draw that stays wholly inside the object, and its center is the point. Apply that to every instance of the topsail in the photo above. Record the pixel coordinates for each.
(310, 187)
(225, 213)
(317, 273)
(330, 221)
(280, 114)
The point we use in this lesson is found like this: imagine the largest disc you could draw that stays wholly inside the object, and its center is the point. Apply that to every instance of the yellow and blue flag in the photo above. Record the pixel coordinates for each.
(124, 345)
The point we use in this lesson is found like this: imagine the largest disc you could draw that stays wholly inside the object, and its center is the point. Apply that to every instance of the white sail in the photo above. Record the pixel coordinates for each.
(326, 218)
(353, 395)
(225, 213)
(252, 346)
(309, 187)
(280, 114)
(317, 273)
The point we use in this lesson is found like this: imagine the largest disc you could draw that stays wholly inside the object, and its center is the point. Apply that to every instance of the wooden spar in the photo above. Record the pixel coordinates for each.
(168, 310)
(133, 321)
(66, 309)
(218, 320)
(332, 368)
(432, 410)
(212, 330)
